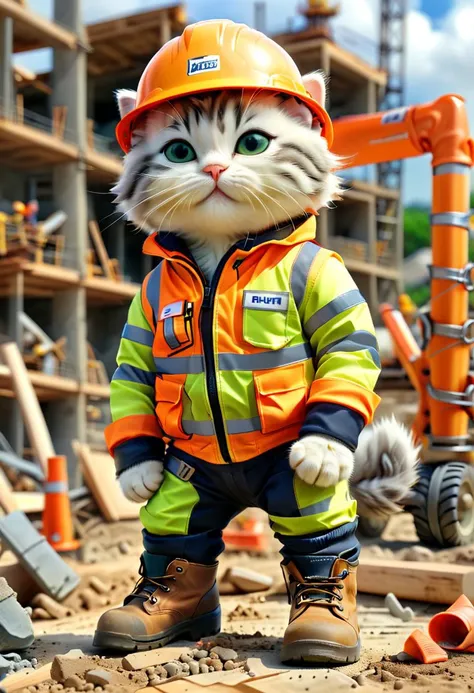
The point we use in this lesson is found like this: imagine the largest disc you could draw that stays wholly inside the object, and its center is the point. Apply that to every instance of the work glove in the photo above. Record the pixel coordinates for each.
(142, 481)
(321, 461)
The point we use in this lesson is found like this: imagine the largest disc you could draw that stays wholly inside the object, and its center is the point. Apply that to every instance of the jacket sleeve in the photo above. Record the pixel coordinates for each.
(134, 435)
(338, 324)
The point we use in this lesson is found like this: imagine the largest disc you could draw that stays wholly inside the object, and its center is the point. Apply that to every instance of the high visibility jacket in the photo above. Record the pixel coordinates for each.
(280, 344)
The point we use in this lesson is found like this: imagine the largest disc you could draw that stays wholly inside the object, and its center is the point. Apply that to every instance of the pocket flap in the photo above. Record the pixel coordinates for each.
(281, 379)
(173, 310)
(169, 390)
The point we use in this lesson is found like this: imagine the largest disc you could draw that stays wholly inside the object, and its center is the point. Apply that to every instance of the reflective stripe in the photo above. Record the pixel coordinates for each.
(134, 375)
(356, 341)
(265, 360)
(200, 428)
(450, 219)
(234, 426)
(137, 335)
(243, 425)
(335, 307)
(451, 168)
(180, 365)
(168, 330)
(319, 507)
(300, 271)
(56, 487)
(153, 290)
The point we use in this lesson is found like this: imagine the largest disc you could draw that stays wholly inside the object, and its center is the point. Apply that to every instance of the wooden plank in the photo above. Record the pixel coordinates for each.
(33, 417)
(26, 677)
(99, 475)
(424, 582)
(29, 501)
(100, 249)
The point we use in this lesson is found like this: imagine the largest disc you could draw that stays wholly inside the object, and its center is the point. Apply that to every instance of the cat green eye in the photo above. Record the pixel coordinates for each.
(252, 143)
(179, 152)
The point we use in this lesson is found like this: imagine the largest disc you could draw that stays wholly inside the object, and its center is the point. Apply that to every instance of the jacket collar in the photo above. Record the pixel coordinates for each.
(166, 244)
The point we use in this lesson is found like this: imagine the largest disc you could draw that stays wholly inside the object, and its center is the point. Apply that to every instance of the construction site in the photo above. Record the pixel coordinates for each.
(70, 265)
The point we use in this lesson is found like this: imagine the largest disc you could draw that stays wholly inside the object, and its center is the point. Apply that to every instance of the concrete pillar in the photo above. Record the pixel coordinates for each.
(7, 91)
(67, 418)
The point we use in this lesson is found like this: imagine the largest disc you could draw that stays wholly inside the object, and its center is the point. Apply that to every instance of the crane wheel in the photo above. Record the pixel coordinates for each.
(442, 504)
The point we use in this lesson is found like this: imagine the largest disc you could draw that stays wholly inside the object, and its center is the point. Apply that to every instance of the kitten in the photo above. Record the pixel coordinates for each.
(215, 168)
(250, 191)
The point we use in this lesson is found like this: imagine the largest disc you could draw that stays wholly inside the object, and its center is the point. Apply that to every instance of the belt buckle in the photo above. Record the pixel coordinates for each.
(185, 471)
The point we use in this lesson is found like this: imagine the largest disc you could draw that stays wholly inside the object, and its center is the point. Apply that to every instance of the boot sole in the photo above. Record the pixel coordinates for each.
(319, 652)
(196, 628)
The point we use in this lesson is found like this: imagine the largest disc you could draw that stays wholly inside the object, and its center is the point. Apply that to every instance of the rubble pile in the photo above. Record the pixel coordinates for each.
(92, 593)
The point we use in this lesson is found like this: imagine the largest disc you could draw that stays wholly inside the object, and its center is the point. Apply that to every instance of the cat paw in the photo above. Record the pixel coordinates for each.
(320, 461)
(141, 482)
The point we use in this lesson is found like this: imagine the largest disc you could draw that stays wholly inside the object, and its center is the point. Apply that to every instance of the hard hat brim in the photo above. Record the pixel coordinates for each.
(125, 126)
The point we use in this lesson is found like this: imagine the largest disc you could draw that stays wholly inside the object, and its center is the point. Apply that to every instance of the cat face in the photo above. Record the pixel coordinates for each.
(225, 164)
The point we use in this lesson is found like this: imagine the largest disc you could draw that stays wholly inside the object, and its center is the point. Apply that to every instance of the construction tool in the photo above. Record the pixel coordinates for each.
(443, 502)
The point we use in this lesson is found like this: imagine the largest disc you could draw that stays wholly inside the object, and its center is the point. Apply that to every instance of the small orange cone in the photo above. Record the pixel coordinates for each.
(423, 648)
(57, 519)
(453, 629)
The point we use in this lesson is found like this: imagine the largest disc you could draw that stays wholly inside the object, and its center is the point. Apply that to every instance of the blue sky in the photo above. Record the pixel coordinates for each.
(440, 47)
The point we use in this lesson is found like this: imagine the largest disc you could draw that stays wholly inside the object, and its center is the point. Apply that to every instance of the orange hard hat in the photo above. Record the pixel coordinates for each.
(214, 55)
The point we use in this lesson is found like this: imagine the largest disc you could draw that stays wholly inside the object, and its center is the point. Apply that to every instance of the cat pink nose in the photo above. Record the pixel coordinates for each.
(215, 170)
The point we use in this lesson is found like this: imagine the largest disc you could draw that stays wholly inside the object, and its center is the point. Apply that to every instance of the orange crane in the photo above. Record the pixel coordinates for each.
(440, 370)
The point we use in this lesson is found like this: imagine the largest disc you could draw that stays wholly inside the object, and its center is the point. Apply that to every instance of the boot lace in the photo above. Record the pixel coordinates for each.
(318, 590)
(146, 586)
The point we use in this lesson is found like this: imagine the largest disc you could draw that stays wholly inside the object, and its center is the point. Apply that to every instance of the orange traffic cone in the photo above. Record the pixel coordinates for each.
(453, 629)
(423, 648)
(57, 518)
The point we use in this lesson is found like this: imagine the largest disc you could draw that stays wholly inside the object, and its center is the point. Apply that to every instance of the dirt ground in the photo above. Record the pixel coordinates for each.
(253, 625)
(259, 632)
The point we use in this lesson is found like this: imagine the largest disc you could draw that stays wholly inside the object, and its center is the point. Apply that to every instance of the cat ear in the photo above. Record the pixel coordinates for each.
(315, 85)
(126, 100)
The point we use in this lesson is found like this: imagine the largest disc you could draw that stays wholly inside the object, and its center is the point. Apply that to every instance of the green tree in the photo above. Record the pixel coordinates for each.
(416, 226)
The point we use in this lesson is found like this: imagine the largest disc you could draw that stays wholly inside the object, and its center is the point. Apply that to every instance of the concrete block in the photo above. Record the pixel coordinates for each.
(16, 630)
(46, 567)
(73, 663)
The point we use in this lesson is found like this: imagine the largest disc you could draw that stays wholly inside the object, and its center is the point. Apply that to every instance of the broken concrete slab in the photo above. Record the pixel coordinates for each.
(106, 677)
(67, 665)
(16, 629)
(42, 562)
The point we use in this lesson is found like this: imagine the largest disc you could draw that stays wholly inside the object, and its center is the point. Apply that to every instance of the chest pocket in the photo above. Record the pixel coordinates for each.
(270, 318)
(176, 320)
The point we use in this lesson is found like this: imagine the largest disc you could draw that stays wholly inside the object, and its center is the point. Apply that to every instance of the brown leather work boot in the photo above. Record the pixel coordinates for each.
(323, 620)
(183, 603)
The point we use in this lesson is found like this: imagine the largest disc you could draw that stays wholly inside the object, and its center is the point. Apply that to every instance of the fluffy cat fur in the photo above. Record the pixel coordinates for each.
(252, 193)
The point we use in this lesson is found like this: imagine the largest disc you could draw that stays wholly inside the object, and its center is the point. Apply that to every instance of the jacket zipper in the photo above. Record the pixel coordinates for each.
(207, 314)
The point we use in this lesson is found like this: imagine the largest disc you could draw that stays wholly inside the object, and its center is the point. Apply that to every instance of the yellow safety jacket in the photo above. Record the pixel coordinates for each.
(279, 344)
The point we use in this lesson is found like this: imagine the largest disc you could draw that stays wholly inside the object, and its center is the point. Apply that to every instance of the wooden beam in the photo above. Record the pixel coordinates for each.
(100, 249)
(33, 417)
(424, 581)
(47, 33)
(99, 475)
